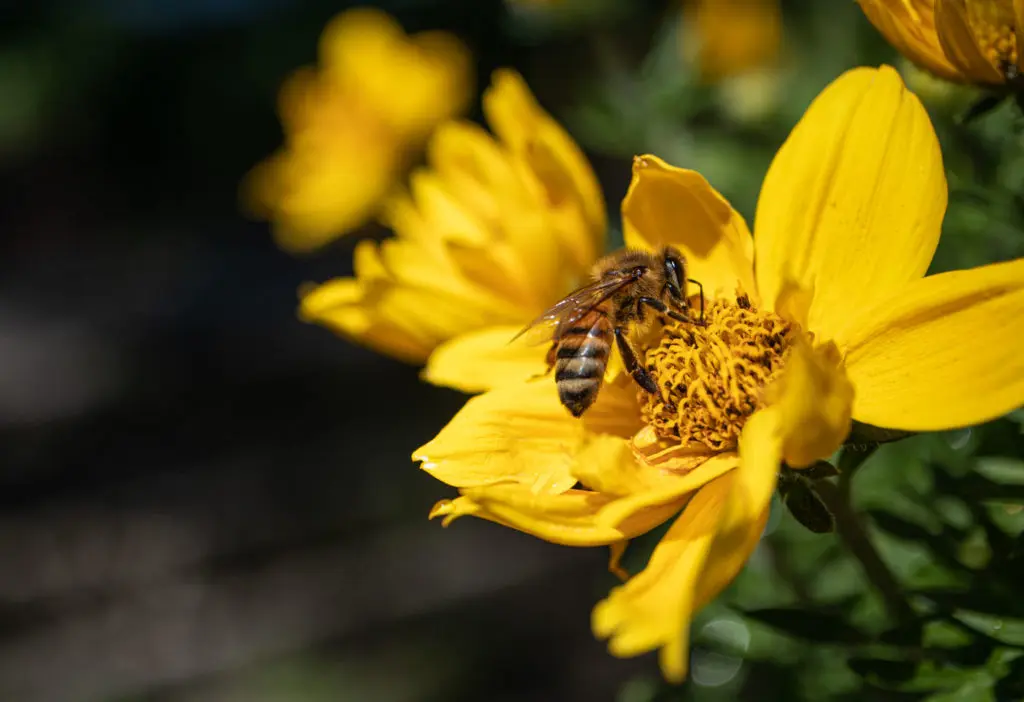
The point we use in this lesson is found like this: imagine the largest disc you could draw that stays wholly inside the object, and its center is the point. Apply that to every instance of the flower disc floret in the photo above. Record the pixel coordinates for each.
(712, 377)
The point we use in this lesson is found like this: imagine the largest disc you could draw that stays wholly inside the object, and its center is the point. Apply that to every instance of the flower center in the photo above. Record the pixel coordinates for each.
(711, 378)
(992, 24)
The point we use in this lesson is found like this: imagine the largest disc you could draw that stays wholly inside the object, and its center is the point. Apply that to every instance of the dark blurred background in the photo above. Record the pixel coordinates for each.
(204, 499)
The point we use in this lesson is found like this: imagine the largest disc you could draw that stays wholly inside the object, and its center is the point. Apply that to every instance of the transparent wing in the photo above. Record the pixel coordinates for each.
(564, 313)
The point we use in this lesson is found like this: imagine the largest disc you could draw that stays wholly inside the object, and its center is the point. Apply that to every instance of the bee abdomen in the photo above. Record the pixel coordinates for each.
(578, 394)
(582, 357)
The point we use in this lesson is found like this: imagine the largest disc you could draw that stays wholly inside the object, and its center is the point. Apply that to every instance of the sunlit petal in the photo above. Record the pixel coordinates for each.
(943, 353)
(654, 608)
(852, 205)
(516, 433)
(481, 360)
(746, 510)
(568, 518)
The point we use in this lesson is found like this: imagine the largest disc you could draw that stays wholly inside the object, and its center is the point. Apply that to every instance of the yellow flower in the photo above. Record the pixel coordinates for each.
(727, 38)
(824, 316)
(351, 124)
(966, 41)
(488, 233)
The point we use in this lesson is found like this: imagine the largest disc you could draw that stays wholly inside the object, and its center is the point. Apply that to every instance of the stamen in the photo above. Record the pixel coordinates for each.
(711, 378)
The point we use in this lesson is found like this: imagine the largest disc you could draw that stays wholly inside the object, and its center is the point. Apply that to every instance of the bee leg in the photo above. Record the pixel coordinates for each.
(662, 308)
(701, 288)
(633, 367)
(550, 360)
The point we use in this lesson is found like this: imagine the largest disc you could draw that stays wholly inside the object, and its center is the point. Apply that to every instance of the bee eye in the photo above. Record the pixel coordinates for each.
(674, 275)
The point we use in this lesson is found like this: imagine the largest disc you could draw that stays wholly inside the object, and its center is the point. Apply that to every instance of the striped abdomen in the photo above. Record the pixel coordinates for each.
(581, 358)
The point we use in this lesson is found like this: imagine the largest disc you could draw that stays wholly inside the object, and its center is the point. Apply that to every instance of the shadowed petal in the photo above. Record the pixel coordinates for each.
(673, 206)
(812, 400)
(910, 27)
(959, 39)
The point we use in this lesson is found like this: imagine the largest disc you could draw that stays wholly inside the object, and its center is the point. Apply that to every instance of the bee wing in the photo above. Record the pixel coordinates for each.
(564, 313)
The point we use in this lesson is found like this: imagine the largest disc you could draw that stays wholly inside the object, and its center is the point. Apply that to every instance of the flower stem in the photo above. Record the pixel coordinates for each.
(851, 531)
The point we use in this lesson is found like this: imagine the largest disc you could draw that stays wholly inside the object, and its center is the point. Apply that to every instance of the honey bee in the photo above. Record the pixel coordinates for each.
(624, 285)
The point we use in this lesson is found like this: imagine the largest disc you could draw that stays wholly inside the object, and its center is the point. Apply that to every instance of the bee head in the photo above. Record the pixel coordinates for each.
(675, 272)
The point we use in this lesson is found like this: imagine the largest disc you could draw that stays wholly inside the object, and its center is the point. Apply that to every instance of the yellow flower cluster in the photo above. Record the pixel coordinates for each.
(351, 123)
(493, 229)
(966, 41)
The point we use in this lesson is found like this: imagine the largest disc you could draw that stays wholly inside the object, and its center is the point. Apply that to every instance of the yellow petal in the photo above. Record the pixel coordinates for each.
(553, 158)
(517, 433)
(315, 192)
(481, 360)
(340, 306)
(701, 554)
(651, 490)
(655, 607)
(568, 518)
(732, 36)
(943, 353)
(959, 28)
(396, 291)
(910, 27)
(367, 51)
(1018, 23)
(747, 508)
(852, 205)
(813, 399)
(673, 206)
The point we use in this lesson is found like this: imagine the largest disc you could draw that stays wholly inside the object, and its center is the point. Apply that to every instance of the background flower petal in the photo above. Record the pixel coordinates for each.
(852, 205)
(943, 353)
(673, 206)
(910, 27)
(959, 40)
(516, 433)
(340, 306)
(552, 157)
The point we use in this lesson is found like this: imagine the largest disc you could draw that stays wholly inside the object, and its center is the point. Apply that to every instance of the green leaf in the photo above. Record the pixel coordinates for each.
(810, 625)
(883, 670)
(808, 508)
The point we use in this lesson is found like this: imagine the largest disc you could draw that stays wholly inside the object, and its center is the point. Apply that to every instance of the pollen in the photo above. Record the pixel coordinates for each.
(993, 25)
(711, 378)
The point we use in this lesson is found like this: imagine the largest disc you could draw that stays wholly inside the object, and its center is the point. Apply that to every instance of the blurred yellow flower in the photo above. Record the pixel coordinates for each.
(727, 38)
(487, 234)
(824, 316)
(966, 41)
(351, 124)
